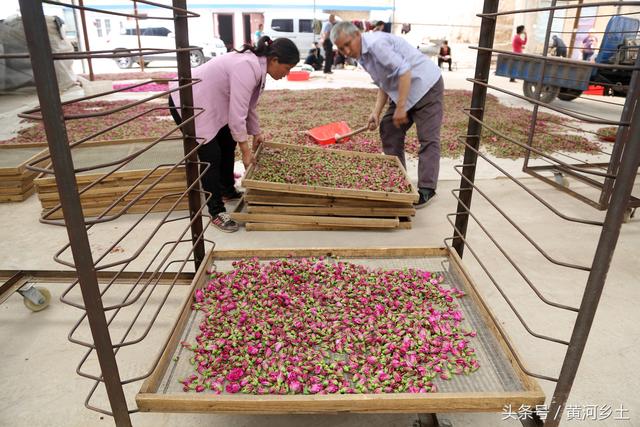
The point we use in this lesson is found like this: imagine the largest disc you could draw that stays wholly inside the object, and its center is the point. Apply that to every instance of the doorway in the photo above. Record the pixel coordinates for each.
(246, 27)
(223, 26)
(251, 23)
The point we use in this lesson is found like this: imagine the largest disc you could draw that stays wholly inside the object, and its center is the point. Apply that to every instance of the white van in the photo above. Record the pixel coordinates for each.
(302, 28)
(160, 36)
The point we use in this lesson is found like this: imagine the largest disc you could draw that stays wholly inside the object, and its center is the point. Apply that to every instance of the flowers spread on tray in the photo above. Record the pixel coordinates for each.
(328, 168)
(315, 326)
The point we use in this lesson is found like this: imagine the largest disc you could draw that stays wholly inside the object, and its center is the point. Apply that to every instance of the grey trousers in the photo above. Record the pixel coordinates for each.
(427, 115)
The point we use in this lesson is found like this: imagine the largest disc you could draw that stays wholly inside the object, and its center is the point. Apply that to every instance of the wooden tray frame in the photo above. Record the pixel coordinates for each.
(272, 198)
(249, 182)
(21, 168)
(148, 399)
(406, 223)
(242, 214)
(331, 210)
(17, 183)
(45, 144)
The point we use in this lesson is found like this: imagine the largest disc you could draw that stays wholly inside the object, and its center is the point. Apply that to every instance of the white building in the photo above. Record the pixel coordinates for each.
(234, 22)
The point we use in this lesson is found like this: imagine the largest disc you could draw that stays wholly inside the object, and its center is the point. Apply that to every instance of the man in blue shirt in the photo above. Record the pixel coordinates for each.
(414, 84)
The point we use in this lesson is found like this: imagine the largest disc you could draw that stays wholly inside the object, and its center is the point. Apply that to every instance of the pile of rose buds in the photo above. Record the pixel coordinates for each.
(315, 326)
(327, 168)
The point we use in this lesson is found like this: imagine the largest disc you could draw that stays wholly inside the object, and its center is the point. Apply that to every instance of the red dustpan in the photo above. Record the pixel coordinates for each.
(333, 132)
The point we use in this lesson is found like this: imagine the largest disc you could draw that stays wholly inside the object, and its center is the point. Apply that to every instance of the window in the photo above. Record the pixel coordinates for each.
(107, 26)
(282, 25)
(155, 31)
(306, 25)
(98, 24)
(69, 21)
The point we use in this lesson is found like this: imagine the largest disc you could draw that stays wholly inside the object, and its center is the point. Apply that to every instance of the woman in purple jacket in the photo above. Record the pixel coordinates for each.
(228, 92)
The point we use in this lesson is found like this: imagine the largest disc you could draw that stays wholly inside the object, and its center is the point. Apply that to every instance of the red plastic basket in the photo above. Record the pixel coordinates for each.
(298, 76)
(595, 90)
(326, 134)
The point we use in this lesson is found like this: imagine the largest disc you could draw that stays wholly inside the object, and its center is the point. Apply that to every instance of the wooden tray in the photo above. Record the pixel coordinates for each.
(249, 182)
(273, 198)
(16, 181)
(405, 223)
(242, 214)
(498, 382)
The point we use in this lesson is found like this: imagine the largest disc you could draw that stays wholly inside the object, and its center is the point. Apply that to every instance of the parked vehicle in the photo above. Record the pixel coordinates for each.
(303, 31)
(567, 81)
(160, 37)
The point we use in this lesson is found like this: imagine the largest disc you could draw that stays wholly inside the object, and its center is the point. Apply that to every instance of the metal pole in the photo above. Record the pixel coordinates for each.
(189, 129)
(49, 97)
(602, 260)
(474, 129)
(393, 17)
(135, 12)
(85, 34)
(75, 22)
(576, 24)
(539, 86)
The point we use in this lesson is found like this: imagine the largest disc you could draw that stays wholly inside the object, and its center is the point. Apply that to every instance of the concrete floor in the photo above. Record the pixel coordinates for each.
(38, 363)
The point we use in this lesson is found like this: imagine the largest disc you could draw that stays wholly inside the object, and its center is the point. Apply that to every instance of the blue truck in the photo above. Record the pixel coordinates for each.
(567, 79)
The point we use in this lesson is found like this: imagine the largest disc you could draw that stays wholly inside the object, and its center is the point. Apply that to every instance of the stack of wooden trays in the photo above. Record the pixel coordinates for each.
(16, 181)
(275, 206)
(106, 190)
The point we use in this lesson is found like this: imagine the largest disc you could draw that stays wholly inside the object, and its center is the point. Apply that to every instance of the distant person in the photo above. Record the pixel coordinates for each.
(227, 94)
(589, 46)
(444, 55)
(519, 42)
(560, 47)
(414, 85)
(315, 58)
(379, 26)
(258, 33)
(327, 45)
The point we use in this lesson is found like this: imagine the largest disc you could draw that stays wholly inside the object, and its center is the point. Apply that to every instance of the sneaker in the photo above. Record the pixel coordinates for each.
(426, 195)
(235, 195)
(224, 223)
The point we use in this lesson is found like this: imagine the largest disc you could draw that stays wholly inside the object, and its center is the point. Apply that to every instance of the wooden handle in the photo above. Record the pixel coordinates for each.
(355, 132)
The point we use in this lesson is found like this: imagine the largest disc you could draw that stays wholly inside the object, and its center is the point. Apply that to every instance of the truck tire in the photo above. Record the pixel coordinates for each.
(196, 58)
(569, 94)
(125, 61)
(548, 94)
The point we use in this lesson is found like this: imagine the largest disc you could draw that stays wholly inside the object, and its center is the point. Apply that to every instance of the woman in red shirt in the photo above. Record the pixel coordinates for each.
(518, 42)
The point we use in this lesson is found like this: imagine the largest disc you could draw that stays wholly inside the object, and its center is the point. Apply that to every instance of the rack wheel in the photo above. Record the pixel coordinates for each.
(42, 292)
(561, 179)
(629, 213)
